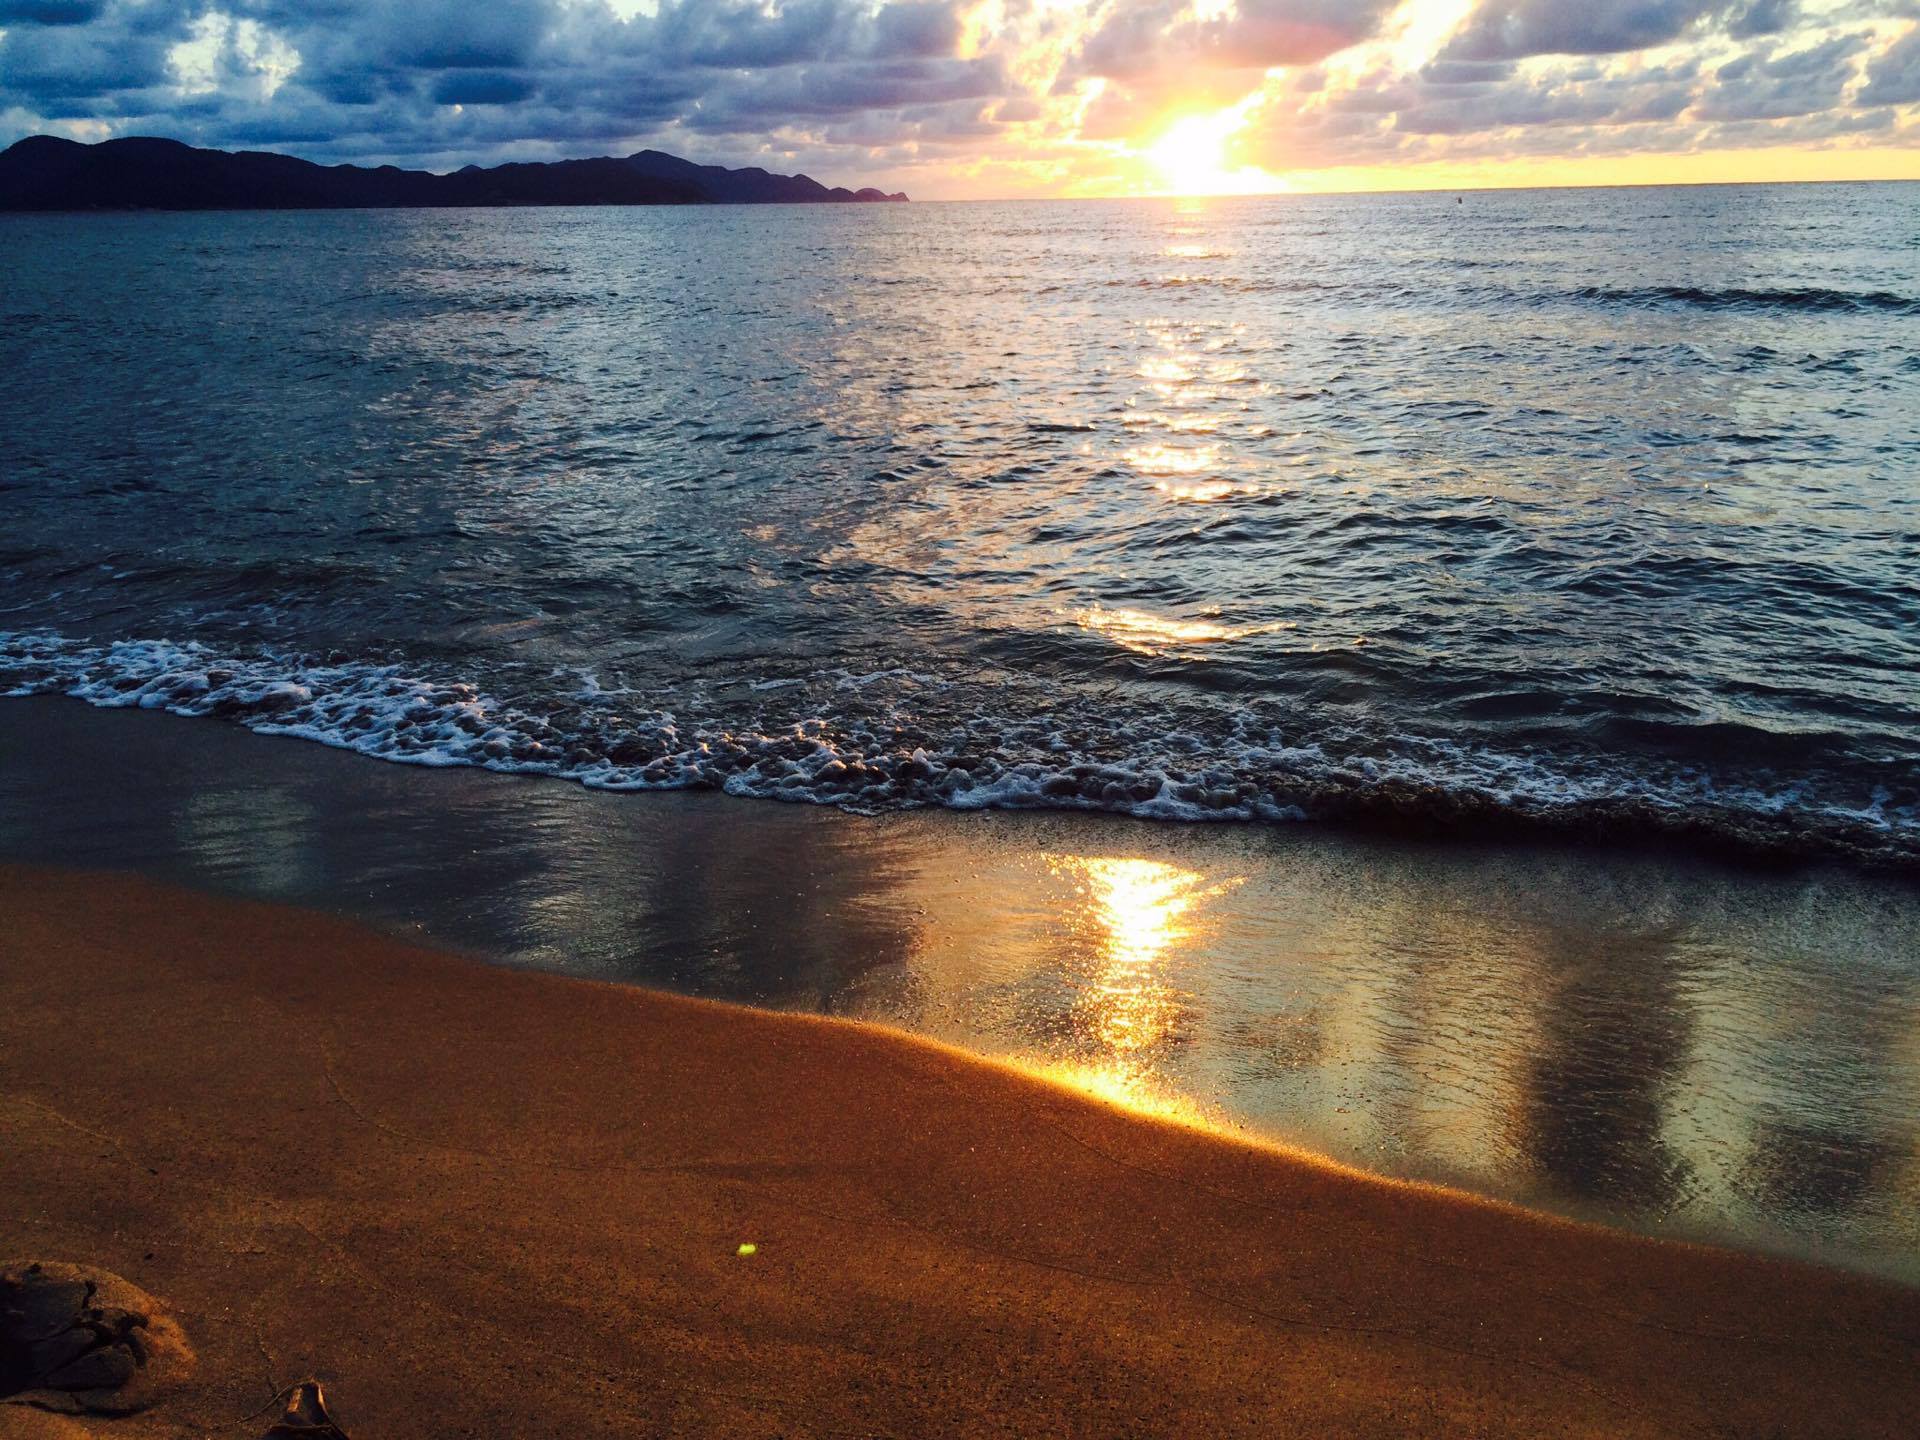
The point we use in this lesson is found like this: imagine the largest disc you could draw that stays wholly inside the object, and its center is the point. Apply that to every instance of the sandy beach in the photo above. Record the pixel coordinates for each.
(476, 1201)
(1645, 1041)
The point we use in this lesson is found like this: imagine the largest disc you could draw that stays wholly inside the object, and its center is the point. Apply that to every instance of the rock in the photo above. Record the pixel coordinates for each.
(83, 1341)
(306, 1417)
(104, 1367)
(46, 1356)
(30, 1312)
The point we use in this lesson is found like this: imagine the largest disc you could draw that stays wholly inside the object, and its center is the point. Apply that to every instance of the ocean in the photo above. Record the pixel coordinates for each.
(1590, 513)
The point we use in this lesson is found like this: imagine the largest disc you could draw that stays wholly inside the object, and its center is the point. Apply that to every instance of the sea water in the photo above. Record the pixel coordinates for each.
(1594, 512)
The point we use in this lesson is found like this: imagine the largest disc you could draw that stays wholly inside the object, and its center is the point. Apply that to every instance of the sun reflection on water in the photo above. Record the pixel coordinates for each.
(1127, 1016)
(1149, 634)
(1202, 491)
(1182, 422)
(1172, 459)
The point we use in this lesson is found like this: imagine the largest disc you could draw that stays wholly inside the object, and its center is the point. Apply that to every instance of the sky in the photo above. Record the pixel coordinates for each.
(955, 99)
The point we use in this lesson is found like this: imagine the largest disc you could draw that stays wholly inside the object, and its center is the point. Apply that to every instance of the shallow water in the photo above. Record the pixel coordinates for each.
(1591, 509)
(1648, 1039)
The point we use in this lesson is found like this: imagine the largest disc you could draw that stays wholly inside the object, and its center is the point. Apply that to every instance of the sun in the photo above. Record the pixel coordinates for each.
(1190, 157)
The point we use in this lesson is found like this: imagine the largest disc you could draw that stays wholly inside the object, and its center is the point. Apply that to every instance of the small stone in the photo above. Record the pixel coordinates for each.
(305, 1417)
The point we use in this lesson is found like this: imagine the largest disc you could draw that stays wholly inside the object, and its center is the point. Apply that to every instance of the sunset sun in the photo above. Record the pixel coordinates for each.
(1190, 157)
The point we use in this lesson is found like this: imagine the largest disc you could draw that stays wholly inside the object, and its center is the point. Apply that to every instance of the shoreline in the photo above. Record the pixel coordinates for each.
(1632, 805)
(408, 1172)
(1660, 1045)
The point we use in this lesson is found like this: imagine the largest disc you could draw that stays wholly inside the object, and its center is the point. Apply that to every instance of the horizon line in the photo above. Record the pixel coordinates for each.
(1280, 192)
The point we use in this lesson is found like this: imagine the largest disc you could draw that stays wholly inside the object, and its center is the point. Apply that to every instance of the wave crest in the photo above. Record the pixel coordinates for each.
(857, 741)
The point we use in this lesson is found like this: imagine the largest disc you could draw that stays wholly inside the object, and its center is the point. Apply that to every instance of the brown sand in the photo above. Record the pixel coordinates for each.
(483, 1202)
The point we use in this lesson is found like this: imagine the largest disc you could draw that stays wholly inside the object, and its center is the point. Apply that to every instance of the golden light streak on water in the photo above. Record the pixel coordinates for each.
(1128, 1015)
(1165, 370)
(1149, 634)
(1200, 492)
(1181, 423)
(1173, 460)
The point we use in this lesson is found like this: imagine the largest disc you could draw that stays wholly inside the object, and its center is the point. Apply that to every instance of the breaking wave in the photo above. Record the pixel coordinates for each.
(900, 738)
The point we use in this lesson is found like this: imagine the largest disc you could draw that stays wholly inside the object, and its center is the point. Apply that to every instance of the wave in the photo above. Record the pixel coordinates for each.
(877, 741)
(1369, 290)
(1855, 302)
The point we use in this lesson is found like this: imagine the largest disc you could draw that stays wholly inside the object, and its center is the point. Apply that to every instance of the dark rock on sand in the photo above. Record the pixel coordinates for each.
(306, 1417)
(85, 1341)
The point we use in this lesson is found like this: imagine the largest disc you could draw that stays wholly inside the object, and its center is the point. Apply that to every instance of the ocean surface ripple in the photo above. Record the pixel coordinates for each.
(1598, 511)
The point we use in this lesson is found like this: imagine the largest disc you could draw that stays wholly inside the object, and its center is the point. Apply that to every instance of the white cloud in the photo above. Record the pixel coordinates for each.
(238, 57)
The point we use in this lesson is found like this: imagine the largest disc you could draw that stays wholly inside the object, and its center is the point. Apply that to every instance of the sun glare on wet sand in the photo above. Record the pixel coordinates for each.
(1137, 912)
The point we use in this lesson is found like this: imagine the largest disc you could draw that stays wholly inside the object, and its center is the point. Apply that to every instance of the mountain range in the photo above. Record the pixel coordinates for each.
(143, 173)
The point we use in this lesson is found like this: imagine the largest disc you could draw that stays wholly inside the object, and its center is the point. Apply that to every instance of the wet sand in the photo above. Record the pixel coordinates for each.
(492, 1202)
(1674, 1047)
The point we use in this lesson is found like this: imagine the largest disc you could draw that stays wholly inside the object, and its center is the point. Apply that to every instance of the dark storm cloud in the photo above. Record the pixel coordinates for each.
(1778, 86)
(1894, 78)
(49, 12)
(1516, 29)
(42, 64)
(380, 78)
(481, 87)
(428, 34)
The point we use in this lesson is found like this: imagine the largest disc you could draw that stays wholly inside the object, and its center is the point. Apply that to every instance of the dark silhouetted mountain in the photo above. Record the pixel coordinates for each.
(44, 173)
(746, 187)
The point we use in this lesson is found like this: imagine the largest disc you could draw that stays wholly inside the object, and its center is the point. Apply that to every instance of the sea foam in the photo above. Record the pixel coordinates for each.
(863, 742)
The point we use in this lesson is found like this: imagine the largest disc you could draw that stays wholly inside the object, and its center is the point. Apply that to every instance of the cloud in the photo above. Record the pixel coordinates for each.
(1782, 83)
(916, 30)
(377, 79)
(1745, 76)
(482, 87)
(49, 12)
(1154, 39)
(1894, 78)
(1549, 100)
(1515, 29)
(1763, 17)
(864, 88)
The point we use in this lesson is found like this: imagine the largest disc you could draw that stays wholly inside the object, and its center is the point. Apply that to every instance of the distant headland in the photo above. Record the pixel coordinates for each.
(142, 173)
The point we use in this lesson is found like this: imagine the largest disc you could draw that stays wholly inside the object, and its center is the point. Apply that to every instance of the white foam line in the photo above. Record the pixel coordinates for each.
(986, 761)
